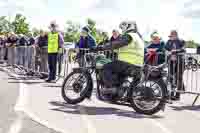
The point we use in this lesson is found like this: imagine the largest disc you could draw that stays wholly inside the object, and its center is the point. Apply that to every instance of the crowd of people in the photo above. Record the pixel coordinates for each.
(20, 50)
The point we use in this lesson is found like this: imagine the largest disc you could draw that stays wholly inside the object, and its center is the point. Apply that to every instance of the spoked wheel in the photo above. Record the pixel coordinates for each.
(194, 67)
(75, 87)
(188, 67)
(149, 97)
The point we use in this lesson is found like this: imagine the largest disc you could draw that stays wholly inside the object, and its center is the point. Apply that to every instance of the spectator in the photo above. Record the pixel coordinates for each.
(11, 43)
(176, 61)
(42, 53)
(21, 52)
(30, 51)
(86, 41)
(55, 41)
(5, 47)
(115, 37)
(154, 52)
(2, 48)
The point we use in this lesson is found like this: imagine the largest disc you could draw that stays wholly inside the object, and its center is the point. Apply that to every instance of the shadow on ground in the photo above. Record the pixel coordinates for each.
(50, 85)
(76, 109)
(190, 107)
(24, 80)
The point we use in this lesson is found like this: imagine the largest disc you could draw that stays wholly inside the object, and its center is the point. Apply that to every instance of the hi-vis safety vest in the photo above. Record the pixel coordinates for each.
(134, 52)
(53, 42)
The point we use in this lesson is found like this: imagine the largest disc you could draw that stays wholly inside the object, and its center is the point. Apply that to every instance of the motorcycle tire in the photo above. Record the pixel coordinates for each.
(84, 94)
(161, 104)
(194, 67)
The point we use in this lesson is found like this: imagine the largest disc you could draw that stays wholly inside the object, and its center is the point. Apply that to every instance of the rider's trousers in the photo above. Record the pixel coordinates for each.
(117, 71)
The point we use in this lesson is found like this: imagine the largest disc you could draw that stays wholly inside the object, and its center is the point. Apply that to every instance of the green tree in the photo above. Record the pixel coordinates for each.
(5, 25)
(92, 26)
(35, 32)
(98, 34)
(72, 33)
(20, 24)
(191, 44)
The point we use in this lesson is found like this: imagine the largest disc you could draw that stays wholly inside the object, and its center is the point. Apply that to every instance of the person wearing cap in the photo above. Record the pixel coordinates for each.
(55, 42)
(86, 41)
(176, 61)
(154, 52)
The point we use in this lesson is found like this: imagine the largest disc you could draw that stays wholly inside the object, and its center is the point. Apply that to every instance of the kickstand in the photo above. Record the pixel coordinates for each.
(195, 100)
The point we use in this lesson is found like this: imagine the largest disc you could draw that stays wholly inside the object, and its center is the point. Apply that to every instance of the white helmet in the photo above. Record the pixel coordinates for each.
(126, 26)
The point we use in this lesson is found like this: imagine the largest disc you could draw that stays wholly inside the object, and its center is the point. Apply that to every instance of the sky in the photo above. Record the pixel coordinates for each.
(150, 15)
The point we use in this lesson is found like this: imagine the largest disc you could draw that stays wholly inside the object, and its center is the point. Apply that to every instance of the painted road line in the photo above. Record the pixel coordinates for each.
(87, 121)
(20, 107)
(16, 125)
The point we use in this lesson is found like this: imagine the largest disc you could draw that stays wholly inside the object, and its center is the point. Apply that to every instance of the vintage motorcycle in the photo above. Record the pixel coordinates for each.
(143, 88)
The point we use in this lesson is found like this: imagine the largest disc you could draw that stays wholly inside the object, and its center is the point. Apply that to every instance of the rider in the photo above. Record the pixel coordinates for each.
(131, 54)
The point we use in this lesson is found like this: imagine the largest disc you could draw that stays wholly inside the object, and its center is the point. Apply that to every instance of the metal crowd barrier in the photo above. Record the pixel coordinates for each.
(31, 60)
(183, 72)
(76, 58)
(191, 76)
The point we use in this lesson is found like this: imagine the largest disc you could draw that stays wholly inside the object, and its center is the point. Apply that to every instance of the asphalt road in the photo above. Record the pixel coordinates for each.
(32, 106)
(11, 120)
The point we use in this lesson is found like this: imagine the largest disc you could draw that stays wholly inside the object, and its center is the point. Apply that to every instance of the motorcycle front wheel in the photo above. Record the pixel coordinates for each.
(76, 87)
(149, 97)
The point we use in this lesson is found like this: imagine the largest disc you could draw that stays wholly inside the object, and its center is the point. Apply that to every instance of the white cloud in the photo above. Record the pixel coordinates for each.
(153, 14)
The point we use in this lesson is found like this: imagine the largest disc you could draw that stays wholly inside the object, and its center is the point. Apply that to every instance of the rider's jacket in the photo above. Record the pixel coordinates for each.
(133, 53)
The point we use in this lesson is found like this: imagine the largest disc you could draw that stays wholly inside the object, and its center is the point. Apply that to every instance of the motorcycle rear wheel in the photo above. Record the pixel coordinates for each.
(135, 103)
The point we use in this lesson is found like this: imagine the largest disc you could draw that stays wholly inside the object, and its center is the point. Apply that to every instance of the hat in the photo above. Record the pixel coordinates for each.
(173, 32)
(155, 34)
(53, 24)
(114, 30)
(86, 29)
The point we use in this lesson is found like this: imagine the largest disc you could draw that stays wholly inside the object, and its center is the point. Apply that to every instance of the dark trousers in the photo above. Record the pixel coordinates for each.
(176, 71)
(116, 71)
(52, 61)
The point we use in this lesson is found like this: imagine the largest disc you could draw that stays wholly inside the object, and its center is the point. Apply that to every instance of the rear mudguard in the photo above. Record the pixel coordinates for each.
(160, 78)
(90, 84)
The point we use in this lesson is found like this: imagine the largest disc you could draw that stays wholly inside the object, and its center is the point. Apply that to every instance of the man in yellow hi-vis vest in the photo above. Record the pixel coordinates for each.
(55, 41)
(130, 48)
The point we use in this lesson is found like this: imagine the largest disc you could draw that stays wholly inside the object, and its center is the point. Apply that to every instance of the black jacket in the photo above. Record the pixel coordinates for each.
(43, 41)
